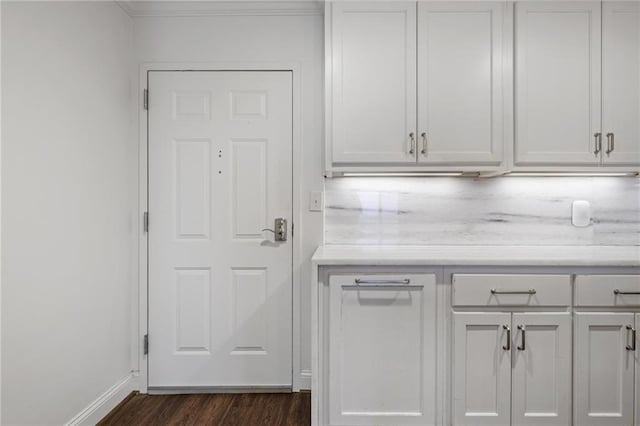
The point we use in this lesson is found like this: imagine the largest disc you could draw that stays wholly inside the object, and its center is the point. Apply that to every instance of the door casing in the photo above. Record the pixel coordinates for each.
(140, 305)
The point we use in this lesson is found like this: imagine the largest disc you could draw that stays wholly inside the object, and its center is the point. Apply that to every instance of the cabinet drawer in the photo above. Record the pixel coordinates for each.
(511, 290)
(608, 290)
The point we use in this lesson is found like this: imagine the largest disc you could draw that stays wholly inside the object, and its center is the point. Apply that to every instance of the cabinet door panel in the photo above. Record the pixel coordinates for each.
(460, 82)
(382, 351)
(541, 375)
(621, 81)
(558, 87)
(481, 369)
(604, 369)
(373, 68)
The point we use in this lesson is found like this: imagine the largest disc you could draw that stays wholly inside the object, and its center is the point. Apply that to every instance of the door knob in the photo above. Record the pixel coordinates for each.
(279, 229)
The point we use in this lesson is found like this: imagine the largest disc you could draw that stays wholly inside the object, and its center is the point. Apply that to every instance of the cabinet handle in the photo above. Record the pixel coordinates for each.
(522, 346)
(617, 291)
(530, 291)
(507, 347)
(424, 143)
(610, 143)
(598, 146)
(633, 339)
(361, 281)
(412, 146)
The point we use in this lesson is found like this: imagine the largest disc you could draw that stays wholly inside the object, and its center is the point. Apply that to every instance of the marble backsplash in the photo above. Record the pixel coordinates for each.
(466, 211)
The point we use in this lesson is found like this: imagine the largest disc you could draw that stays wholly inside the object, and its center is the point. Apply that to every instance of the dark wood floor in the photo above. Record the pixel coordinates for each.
(291, 409)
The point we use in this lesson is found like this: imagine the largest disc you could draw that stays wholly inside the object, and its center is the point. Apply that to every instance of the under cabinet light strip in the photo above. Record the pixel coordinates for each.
(569, 174)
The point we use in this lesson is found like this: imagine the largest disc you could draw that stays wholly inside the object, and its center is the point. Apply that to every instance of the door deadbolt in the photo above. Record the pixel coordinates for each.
(279, 229)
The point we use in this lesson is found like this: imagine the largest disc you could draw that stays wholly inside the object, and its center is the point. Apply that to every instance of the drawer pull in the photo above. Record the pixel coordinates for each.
(383, 285)
(617, 291)
(633, 339)
(387, 282)
(530, 291)
(522, 346)
(507, 347)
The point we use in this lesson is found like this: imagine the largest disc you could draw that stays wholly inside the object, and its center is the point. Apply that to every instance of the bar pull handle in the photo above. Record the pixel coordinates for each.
(424, 143)
(620, 292)
(598, 145)
(383, 282)
(633, 339)
(530, 291)
(522, 345)
(412, 143)
(610, 143)
(507, 347)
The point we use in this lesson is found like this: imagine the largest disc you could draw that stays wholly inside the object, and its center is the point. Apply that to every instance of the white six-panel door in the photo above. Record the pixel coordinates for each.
(481, 369)
(604, 369)
(219, 172)
(460, 106)
(558, 84)
(382, 350)
(373, 69)
(621, 82)
(541, 370)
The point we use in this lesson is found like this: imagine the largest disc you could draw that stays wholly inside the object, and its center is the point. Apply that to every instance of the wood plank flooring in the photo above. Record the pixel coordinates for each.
(273, 409)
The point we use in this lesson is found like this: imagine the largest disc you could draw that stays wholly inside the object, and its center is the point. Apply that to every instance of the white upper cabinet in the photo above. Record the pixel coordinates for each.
(557, 87)
(372, 65)
(621, 83)
(460, 60)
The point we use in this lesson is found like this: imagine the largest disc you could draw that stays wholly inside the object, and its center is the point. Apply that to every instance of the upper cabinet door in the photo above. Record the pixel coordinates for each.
(460, 105)
(621, 83)
(558, 87)
(372, 63)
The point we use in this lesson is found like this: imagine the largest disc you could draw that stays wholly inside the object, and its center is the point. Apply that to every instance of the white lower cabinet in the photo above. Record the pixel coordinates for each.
(605, 369)
(382, 350)
(512, 369)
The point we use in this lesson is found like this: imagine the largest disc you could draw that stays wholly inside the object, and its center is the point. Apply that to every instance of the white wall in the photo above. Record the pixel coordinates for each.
(283, 39)
(67, 190)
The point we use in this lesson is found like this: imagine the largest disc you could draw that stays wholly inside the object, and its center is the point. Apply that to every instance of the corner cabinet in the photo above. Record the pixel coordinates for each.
(414, 86)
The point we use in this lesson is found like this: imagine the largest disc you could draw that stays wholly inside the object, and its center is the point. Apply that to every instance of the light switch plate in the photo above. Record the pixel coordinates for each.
(581, 213)
(316, 201)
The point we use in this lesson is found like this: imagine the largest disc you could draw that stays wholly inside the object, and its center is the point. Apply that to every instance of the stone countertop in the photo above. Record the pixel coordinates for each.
(616, 256)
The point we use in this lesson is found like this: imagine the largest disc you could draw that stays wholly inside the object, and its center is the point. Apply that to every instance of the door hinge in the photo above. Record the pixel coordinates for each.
(146, 344)
(145, 221)
(146, 99)
(292, 229)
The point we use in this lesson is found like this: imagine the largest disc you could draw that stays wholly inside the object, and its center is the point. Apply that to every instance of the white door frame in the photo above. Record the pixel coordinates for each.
(140, 294)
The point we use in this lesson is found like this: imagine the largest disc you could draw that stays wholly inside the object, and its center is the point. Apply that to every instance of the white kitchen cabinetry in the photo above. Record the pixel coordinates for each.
(577, 85)
(621, 83)
(607, 375)
(372, 70)
(482, 368)
(557, 82)
(460, 78)
(382, 357)
(604, 369)
(511, 368)
(394, 104)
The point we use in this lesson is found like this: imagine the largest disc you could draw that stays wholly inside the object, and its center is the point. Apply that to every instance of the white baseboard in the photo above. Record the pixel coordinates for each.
(106, 402)
(305, 380)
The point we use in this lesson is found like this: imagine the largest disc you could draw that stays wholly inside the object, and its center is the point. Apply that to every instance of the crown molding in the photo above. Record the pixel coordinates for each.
(148, 9)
